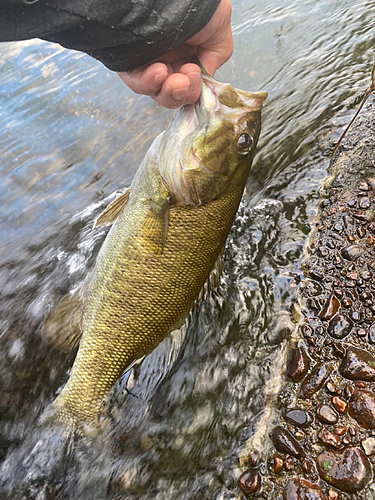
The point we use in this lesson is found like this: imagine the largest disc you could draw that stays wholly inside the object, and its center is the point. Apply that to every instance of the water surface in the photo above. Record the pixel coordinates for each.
(71, 137)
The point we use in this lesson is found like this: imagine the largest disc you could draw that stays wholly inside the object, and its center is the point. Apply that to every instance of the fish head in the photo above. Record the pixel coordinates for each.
(209, 146)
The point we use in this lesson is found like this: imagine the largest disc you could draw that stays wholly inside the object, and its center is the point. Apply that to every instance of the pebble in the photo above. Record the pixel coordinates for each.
(365, 203)
(328, 438)
(333, 494)
(306, 466)
(278, 464)
(299, 489)
(330, 308)
(368, 445)
(352, 252)
(316, 379)
(289, 464)
(340, 431)
(358, 364)
(362, 408)
(339, 404)
(253, 458)
(348, 471)
(285, 442)
(327, 415)
(371, 334)
(298, 364)
(340, 326)
(250, 481)
(299, 417)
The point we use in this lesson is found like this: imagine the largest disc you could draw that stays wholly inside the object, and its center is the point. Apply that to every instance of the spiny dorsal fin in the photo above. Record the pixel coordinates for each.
(114, 209)
(155, 225)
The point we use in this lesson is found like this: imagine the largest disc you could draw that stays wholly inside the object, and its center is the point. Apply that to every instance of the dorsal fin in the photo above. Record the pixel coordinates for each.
(114, 209)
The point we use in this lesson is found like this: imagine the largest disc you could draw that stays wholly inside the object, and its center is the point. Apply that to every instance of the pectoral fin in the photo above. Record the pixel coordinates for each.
(155, 225)
(114, 209)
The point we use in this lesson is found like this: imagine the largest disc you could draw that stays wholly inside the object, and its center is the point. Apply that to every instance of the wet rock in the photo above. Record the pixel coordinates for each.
(250, 482)
(285, 442)
(298, 364)
(358, 364)
(300, 418)
(278, 464)
(299, 489)
(327, 415)
(339, 404)
(316, 379)
(289, 464)
(340, 326)
(340, 431)
(362, 408)
(352, 252)
(330, 308)
(328, 438)
(348, 471)
(371, 334)
(333, 494)
(368, 445)
(253, 458)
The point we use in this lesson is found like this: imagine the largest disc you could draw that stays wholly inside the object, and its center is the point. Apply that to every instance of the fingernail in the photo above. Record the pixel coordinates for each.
(179, 95)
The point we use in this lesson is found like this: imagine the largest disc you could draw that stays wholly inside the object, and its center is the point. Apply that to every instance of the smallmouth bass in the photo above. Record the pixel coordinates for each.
(168, 231)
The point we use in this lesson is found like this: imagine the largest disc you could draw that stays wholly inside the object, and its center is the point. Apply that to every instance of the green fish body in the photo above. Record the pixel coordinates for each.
(170, 229)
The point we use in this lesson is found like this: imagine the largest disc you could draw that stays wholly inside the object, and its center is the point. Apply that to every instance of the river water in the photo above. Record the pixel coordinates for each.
(71, 137)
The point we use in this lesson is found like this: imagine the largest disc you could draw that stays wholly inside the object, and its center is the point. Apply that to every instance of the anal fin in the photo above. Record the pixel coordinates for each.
(63, 327)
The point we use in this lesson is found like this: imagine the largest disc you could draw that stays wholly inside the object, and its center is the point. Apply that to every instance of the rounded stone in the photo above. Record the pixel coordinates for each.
(328, 438)
(352, 252)
(327, 415)
(368, 445)
(330, 308)
(362, 408)
(340, 326)
(300, 418)
(285, 442)
(299, 489)
(348, 471)
(316, 379)
(250, 481)
(358, 364)
(298, 364)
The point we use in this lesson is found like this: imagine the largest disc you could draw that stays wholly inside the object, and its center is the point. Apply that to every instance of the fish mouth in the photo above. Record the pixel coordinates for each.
(222, 98)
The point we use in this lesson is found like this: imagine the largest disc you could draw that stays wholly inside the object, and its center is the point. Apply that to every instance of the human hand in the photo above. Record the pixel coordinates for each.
(172, 80)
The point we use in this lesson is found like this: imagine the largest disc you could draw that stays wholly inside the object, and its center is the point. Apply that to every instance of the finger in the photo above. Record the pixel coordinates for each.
(193, 72)
(174, 91)
(147, 80)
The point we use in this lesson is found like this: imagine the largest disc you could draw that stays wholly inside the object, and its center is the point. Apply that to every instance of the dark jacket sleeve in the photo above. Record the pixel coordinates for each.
(122, 34)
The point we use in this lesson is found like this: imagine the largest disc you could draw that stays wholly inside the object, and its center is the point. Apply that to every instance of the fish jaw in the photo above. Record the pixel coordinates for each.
(198, 154)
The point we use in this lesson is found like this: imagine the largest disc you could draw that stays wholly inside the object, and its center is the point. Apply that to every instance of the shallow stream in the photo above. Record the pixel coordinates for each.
(71, 137)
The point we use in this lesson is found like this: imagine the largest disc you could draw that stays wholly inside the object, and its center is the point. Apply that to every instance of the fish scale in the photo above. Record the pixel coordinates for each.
(184, 262)
(162, 248)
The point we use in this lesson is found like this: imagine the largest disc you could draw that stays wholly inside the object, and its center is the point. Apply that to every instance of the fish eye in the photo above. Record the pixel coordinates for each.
(244, 143)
